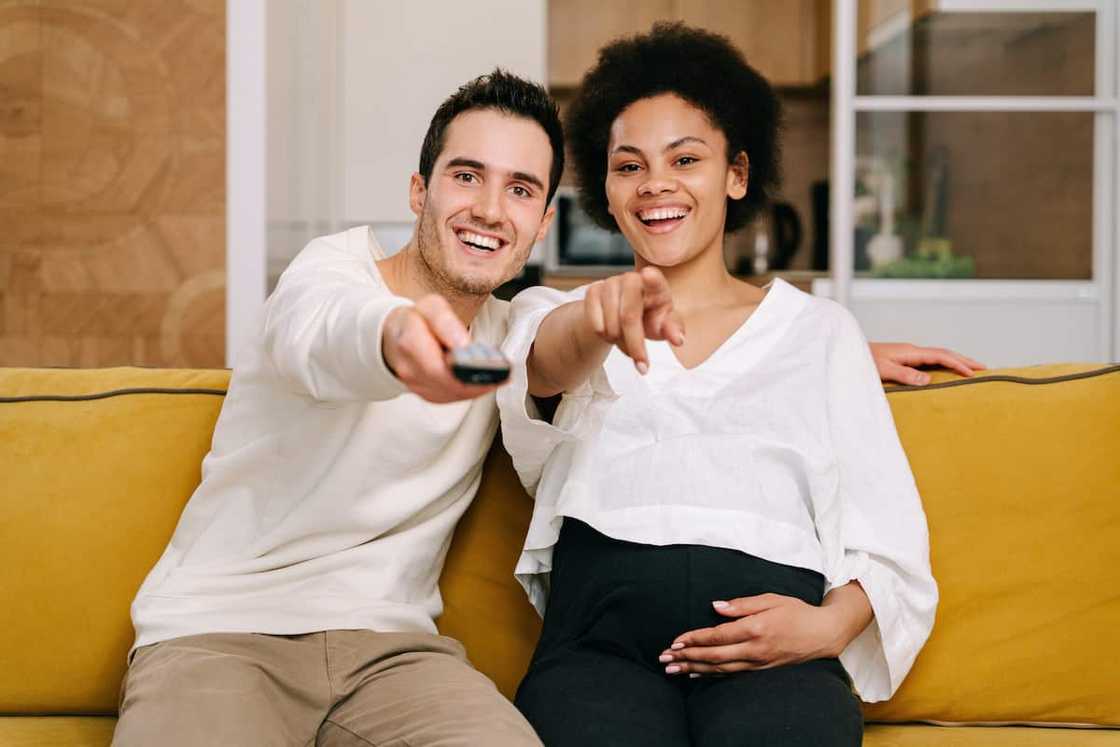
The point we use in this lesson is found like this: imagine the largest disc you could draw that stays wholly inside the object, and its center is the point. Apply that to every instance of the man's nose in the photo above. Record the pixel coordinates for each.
(488, 207)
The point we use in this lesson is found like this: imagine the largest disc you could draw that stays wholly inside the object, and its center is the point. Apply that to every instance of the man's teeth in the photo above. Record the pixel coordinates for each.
(663, 213)
(478, 240)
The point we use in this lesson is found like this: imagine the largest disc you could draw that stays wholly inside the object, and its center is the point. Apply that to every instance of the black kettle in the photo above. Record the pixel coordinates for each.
(785, 235)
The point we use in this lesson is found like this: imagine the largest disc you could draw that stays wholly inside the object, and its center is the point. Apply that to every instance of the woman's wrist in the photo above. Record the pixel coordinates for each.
(848, 612)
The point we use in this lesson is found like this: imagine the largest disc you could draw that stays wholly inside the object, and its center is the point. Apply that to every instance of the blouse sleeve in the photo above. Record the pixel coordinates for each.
(882, 528)
(529, 439)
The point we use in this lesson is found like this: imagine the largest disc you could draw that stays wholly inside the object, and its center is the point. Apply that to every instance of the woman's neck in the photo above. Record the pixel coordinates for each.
(701, 282)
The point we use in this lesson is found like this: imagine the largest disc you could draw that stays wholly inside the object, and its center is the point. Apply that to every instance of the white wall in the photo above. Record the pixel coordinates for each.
(400, 60)
(352, 85)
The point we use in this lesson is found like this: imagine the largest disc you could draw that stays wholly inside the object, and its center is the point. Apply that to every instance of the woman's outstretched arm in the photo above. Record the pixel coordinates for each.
(623, 310)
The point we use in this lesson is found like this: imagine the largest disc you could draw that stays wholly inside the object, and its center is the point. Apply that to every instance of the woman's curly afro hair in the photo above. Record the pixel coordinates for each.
(702, 68)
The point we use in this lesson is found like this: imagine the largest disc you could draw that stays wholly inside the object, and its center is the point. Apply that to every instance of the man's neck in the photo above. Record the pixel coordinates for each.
(408, 275)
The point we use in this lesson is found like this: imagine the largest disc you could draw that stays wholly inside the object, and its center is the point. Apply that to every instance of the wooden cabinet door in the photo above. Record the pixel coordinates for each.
(577, 29)
(778, 37)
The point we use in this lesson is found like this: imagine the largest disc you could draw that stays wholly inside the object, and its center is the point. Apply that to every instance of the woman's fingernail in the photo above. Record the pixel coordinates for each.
(672, 669)
(921, 379)
(677, 646)
(720, 605)
(664, 658)
(643, 367)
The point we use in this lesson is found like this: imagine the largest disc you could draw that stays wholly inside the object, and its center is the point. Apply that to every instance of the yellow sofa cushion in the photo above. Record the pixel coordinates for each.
(96, 465)
(1019, 472)
(920, 735)
(57, 731)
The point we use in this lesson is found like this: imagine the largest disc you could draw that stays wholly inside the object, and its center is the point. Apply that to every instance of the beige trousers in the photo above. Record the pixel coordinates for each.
(340, 687)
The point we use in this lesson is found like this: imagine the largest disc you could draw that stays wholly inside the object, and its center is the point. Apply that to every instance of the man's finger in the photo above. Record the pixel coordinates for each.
(630, 318)
(447, 327)
(890, 371)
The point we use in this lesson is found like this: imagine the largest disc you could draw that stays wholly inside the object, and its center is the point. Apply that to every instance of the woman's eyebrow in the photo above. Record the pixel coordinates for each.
(628, 149)
(681, 141)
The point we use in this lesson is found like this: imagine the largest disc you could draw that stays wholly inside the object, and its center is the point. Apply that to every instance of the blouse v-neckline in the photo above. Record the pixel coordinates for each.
(747, 325)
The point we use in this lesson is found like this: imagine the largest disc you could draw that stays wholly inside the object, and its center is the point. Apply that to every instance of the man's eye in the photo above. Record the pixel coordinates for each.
(520, 191)
(466, 177)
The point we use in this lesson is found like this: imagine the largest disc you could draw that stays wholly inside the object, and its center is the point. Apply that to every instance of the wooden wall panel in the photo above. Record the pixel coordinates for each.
(112, 182)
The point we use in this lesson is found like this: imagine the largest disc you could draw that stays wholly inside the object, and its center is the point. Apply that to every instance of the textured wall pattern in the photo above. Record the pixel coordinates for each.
(112, 182)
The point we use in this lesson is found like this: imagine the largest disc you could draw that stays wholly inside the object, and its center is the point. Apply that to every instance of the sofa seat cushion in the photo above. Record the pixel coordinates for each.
(922, 735)
(56, 731)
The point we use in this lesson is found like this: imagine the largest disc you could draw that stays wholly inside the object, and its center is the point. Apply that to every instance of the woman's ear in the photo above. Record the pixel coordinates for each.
(738, 175)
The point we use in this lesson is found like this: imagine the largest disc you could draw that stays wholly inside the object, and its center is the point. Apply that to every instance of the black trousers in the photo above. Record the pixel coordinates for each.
(615, 606)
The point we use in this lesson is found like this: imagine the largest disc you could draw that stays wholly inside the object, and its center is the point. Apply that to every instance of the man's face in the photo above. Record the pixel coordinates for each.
(484, 206)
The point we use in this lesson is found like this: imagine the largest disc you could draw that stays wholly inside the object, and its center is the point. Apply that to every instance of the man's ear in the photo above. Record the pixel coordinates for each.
(738, 175)
(417, 194)
(546, 221)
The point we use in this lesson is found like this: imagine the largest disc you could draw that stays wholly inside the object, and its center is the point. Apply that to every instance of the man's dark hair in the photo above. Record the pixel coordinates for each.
(702, 68)
(506, 93)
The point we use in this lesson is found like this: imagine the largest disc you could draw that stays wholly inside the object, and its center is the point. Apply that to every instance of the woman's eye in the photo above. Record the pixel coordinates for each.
(628, 168)
(686, 161)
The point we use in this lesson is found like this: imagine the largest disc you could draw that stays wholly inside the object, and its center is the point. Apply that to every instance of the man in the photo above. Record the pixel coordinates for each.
(295, 603)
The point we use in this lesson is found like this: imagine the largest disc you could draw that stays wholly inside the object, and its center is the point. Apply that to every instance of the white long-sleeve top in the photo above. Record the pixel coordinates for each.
(330, 493)
(780, 445)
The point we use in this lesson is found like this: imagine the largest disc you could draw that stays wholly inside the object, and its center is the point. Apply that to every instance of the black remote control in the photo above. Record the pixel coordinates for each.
(478, 363)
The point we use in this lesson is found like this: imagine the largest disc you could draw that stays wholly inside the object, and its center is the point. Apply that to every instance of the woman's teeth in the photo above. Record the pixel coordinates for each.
(658, 214)
(489, 243)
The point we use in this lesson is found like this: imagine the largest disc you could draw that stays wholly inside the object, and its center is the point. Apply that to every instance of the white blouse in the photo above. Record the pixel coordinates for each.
(781, 445)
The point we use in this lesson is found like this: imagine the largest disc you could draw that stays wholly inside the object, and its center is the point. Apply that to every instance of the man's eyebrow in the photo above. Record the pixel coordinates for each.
(469, 163)
(521, 176)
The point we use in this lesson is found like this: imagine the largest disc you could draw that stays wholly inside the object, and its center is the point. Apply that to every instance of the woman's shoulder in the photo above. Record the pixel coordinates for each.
(825, 314)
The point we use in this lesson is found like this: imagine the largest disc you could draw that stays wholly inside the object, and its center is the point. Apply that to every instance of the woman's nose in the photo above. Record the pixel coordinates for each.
(657, 183)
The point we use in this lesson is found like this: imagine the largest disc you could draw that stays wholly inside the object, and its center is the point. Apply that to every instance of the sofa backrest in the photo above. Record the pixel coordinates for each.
(1018, 471)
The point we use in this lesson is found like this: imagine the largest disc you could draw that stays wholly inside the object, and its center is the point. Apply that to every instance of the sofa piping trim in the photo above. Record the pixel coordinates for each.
(106, 395)
(996, 724)
(1012, 379)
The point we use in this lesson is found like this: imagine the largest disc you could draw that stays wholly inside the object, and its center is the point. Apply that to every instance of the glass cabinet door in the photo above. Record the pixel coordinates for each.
(974, 170)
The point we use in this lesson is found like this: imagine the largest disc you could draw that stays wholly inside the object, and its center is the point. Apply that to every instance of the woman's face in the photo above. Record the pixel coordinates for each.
(668, 180)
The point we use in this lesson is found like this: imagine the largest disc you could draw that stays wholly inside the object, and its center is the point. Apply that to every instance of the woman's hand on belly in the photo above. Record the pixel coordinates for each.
(769, 630)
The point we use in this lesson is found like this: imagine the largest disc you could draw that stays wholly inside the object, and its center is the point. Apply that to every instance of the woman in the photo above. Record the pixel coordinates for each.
(727, 537)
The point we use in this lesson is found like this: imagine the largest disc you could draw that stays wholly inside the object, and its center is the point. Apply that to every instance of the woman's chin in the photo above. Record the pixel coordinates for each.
(663, 255)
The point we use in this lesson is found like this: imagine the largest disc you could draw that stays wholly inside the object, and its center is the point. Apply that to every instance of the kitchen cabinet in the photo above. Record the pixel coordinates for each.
(781, 38)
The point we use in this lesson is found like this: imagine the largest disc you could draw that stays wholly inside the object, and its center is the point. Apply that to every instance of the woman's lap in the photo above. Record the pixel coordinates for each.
(590, 698)
(595, 678)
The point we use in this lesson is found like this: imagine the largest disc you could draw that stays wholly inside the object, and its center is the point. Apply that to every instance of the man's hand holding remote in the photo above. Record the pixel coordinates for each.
(414, 344)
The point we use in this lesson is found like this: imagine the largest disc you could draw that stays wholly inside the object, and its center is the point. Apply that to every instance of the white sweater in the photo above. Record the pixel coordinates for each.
(781, 445)
(330, 494)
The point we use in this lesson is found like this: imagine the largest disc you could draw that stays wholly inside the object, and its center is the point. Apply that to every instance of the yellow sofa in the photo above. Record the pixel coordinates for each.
(1019, 472)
